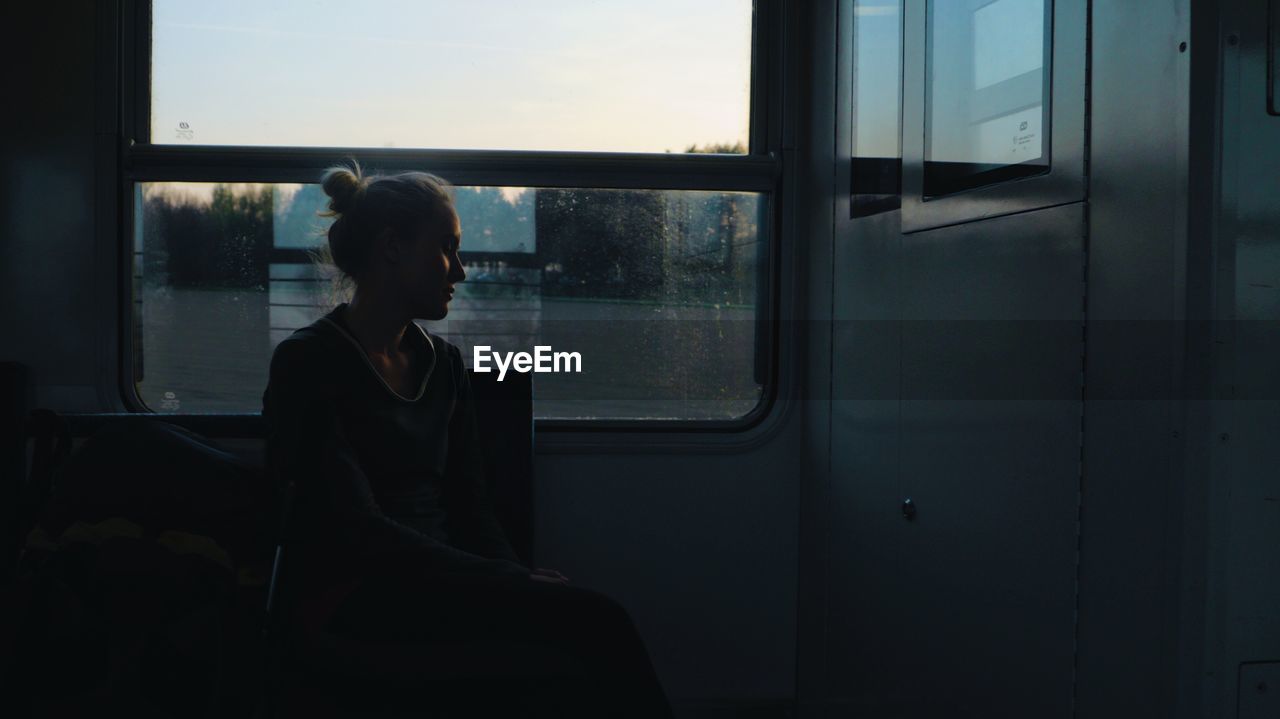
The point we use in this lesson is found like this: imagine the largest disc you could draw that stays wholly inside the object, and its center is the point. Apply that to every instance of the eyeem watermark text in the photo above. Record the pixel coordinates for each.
(542, 360)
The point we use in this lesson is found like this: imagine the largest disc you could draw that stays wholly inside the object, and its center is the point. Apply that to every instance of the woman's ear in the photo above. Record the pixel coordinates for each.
(390, 246)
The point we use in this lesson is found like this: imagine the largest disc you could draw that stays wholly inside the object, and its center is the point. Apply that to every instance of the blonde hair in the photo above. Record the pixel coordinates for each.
(365, 205)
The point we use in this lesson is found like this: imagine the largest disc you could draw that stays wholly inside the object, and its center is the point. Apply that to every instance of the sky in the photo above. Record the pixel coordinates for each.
(594, 75)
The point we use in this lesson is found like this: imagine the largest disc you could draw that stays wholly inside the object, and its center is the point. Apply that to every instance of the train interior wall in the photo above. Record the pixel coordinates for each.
(1101, 545)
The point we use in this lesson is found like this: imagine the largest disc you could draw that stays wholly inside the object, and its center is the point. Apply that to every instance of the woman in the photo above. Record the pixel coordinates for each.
(371, 420)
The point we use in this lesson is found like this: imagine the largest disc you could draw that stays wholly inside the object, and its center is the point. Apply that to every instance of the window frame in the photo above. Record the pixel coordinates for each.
(990, 173)
(1063, 184)
(760, 171)
(1273, 57)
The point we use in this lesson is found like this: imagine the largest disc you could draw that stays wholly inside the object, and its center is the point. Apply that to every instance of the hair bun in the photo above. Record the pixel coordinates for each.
(342, 184)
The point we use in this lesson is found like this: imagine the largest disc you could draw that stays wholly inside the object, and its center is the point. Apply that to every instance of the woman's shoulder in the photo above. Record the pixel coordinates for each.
(447, 357)
(305, 366)
(316, 345)
(443, 347)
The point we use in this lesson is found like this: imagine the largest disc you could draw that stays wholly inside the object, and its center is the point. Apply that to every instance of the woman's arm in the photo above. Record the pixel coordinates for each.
(471, 522)
(333, 502)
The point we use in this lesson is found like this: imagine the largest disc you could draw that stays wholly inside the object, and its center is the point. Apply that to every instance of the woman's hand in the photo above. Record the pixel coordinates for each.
(550, 576)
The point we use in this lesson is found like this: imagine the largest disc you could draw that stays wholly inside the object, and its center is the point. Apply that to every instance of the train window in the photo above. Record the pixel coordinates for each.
(655, 289)
(986, 92)
(615, 193)
(877, 107)
(580, 75)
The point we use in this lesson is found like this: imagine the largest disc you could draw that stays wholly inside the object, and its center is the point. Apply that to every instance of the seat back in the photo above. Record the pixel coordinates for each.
(154, 544)
(504, 413)
(13, 459)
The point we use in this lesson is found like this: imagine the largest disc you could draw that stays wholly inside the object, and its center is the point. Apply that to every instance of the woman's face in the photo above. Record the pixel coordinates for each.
(430, 267)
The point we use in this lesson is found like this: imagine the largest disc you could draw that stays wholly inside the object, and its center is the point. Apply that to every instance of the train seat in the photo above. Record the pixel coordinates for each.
(162, 544)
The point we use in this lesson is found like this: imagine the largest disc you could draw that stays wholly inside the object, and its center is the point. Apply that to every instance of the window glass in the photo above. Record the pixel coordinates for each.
(656, 290)
(590, 75)
(877, 106)
(987, 111)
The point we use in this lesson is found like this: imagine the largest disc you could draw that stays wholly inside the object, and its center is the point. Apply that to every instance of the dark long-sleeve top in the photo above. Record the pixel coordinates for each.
(381, 480)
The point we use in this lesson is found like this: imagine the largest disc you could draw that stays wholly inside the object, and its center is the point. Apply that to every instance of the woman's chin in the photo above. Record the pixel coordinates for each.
(435, 313)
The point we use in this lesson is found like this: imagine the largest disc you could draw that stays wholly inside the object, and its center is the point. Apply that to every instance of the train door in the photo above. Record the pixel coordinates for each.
(958, 281)
(1243, 621)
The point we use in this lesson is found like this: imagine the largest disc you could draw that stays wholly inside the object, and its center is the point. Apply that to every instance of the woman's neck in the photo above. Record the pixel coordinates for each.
(377, 324)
